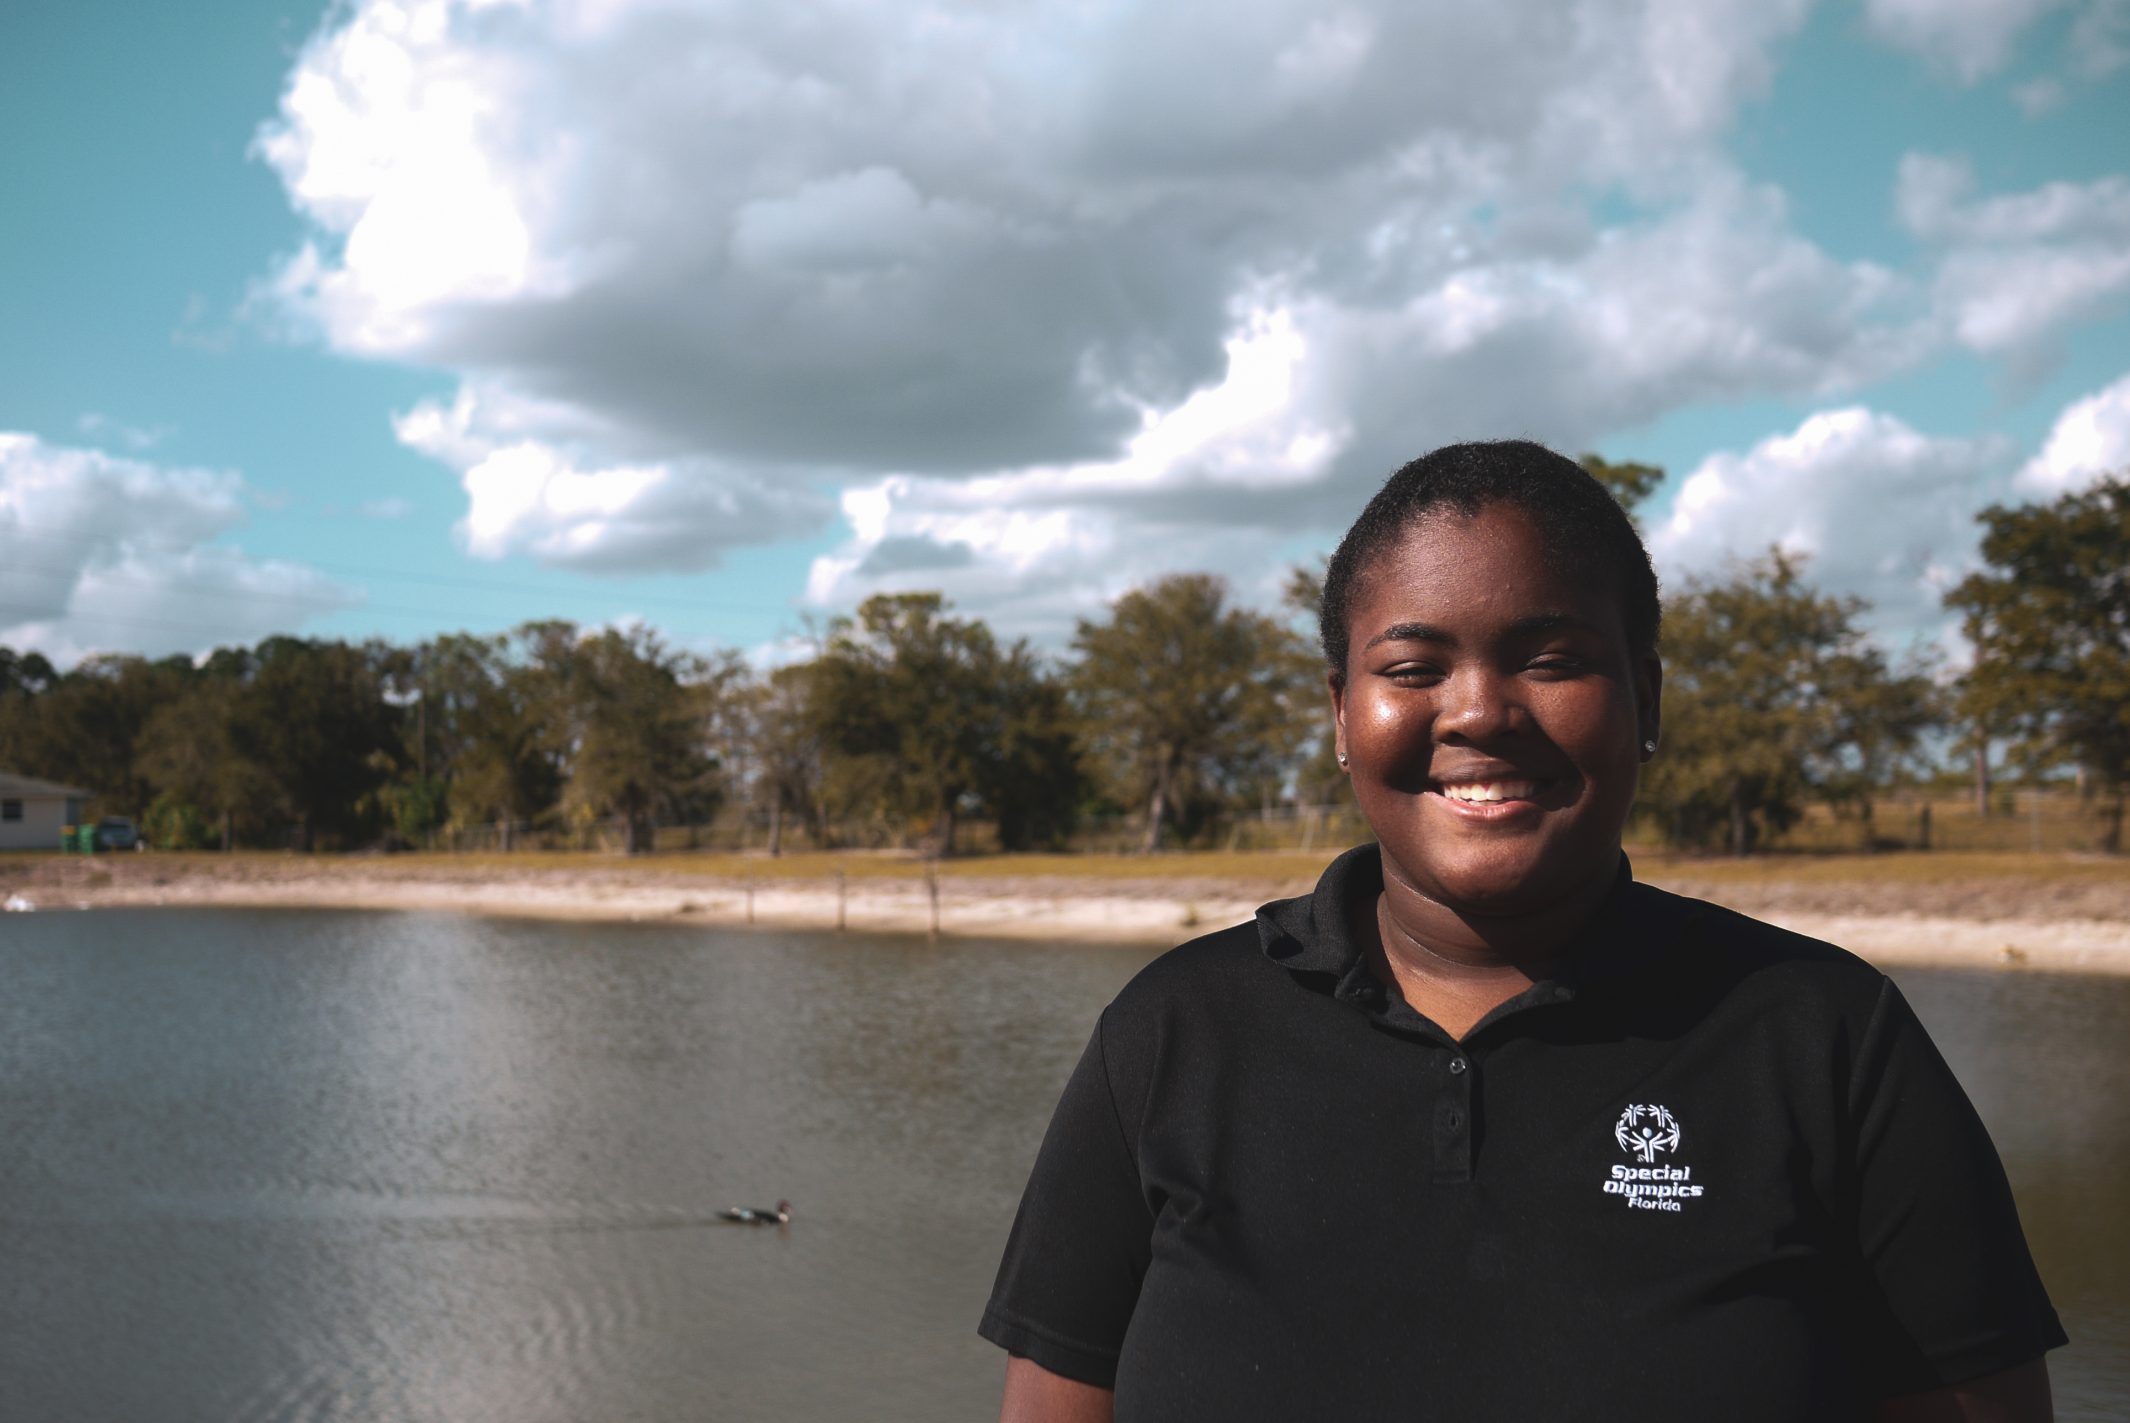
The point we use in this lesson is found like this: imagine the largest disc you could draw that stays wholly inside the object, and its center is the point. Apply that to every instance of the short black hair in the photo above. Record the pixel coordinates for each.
(1581, 523)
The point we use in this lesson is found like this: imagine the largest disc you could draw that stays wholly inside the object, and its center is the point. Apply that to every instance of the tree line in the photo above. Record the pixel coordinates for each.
(1176, 708)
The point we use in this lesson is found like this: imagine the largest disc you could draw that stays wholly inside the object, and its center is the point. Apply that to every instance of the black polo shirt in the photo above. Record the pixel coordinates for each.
(1712, 1170)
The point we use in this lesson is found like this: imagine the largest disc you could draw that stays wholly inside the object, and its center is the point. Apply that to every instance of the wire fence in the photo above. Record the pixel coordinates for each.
(1280, 827)
(2036, 822)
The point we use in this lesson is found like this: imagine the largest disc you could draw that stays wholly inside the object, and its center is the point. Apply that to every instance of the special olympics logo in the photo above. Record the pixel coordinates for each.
(1645, 1131)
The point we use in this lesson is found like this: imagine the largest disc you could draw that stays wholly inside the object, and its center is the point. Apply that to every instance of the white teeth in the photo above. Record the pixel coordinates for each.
(1491, 790)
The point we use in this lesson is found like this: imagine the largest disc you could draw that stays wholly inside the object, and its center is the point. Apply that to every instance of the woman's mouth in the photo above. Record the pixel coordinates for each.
(1491, 792)
(1487, 801)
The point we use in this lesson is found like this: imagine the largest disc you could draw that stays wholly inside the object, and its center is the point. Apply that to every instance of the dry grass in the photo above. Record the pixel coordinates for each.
(1241, 866)
(1974, 885)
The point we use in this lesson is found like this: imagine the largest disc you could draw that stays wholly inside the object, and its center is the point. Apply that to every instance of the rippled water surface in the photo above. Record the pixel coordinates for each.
(267, 1166)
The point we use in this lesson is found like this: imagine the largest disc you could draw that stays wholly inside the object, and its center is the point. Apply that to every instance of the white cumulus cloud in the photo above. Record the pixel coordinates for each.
(1198, 486)
(1970, 38)
(2015, 270)
(1016, 280)
(1883, 512)
(104, 553)
(2090, 438)
(693, 262)
(547, 498)
(1322, 399)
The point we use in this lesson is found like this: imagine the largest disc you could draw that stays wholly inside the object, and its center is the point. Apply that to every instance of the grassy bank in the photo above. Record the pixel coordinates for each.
(1989, 885)
(1975, 910)
(1241, 866)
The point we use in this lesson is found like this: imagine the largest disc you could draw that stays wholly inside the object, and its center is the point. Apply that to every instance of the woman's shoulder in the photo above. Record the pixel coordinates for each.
(1700, 939)
(1205, 975)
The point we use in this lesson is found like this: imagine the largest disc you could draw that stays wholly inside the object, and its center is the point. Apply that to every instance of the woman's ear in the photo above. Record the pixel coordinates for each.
(1336, 683)
(1649, 697)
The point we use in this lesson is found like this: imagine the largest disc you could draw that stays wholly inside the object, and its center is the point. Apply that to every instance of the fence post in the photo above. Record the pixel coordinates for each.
(1923, 827)
(931, 887)
(839, 898)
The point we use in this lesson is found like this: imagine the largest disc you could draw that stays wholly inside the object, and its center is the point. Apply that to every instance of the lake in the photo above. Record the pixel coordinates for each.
(280, 1165)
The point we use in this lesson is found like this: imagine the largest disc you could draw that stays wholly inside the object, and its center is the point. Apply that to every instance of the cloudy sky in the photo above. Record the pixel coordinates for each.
(418, 315)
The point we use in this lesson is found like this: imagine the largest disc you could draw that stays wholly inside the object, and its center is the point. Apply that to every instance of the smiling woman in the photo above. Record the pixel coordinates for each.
(1483, 1099)
(1494, 742)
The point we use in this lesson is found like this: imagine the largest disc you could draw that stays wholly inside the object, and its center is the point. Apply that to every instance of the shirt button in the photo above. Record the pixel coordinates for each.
(1454, 1121)
(1457, 1065)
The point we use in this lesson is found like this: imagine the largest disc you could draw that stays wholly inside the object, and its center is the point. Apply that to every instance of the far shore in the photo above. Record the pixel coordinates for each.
(2011, 912)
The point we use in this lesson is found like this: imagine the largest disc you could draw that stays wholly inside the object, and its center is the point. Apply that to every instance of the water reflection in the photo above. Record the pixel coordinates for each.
(2042, 1056)
(340, 1166)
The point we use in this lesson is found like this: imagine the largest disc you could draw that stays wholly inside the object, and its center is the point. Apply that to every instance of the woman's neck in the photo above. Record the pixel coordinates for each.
(1422, 937)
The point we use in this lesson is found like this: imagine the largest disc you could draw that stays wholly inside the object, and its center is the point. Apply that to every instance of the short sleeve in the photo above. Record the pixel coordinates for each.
(1952, 1293)
(1081, 1240)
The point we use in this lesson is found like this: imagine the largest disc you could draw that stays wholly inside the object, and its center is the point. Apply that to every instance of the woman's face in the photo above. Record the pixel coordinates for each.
(1492, 714)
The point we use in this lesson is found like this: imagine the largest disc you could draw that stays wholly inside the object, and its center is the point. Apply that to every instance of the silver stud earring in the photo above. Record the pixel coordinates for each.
(1649, 747)
(1342, 760)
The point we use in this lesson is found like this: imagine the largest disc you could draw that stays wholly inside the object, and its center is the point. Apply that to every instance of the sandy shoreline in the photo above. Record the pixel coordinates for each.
(1064, 911)
(1154, 910)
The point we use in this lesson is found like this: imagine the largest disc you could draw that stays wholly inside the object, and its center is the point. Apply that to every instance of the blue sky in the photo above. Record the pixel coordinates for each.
(426, 315)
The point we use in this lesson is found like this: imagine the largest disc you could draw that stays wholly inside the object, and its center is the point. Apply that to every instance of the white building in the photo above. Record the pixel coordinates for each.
(32, 812)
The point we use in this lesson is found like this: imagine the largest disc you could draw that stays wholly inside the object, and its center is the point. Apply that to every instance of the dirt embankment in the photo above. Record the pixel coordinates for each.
(2047, 915)
(891, 897)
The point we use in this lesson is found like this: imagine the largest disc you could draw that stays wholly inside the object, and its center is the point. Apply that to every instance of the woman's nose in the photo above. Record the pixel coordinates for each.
(1478, 705)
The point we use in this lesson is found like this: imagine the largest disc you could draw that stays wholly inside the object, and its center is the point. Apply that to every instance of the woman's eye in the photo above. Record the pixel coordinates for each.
(1559, 664)
(1414, 676)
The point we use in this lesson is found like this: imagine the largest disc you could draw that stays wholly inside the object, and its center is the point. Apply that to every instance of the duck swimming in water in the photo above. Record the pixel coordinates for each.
(755, 1215)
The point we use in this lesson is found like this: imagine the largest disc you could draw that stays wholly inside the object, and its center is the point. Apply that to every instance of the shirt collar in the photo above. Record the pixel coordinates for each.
(1313, 934)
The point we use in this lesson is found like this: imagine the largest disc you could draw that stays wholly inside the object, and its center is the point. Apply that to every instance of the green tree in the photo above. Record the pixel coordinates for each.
(24, 674)
(1879, 718)
(189, 749)
(1773, 696)
(83, 726)
(489, 732)
(2049, 618)
(633, 719)
(414, 808)
(1304, 593)
(1185, 700)
(782, 734)
(174, 823)
(1630, 483)
(313, 719)
(1320, 779)
(1033, 782)
(929, 715)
